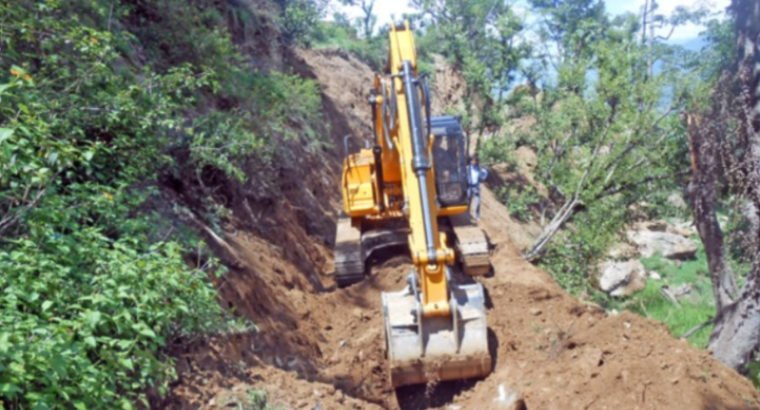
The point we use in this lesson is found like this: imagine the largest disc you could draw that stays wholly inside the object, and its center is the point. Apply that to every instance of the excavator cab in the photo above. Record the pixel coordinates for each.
(450, 159)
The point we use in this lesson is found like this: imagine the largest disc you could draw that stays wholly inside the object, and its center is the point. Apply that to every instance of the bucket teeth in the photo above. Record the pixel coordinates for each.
(439, 348)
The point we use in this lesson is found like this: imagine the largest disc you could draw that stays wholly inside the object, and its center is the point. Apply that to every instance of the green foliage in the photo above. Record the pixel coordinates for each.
(341, 35)
(572, 24)
(256, 108)
(753, 371)
(299, 19)
(258, 400)
(222, 140)
(696, 308)
(227, 140)
(520, 200)
(481, 38)
(571, 257)
(99, 99)
(84, 317)
(607, 134)
(679, 319)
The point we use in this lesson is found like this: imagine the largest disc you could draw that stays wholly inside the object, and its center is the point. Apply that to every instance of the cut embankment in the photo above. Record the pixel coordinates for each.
(321, 346)
(550, 350)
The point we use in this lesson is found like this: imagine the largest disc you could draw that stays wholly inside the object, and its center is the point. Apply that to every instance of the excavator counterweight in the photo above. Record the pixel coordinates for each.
(410, 189)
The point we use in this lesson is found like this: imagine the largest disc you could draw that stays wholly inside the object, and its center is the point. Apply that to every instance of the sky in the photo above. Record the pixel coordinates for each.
(386, 9)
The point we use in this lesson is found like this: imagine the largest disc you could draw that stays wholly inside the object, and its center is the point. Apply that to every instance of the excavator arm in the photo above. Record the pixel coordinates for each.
(428, 247)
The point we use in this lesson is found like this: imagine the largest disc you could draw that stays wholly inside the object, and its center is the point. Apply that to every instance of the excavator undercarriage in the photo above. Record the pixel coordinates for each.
(355, 244)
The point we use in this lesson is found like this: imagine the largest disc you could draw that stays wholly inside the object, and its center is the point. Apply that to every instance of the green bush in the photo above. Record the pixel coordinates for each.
(299, 19)
(341, 36)
(519, 200)
(570, 258)
(96, 104)
(84, 318)
(272, 108)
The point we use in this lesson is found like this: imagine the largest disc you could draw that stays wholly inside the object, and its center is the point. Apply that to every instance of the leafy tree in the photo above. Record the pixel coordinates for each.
(481, 37)
(368, 20)
(299, 19)
(571, 25)
(606, 135)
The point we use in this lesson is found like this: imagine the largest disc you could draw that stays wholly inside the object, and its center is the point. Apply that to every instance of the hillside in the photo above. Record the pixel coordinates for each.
(170, 187)
(318, 345)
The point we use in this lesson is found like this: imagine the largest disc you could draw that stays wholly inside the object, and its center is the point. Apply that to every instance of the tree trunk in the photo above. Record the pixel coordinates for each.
(702, 193)
(563, 215)
(737, 327)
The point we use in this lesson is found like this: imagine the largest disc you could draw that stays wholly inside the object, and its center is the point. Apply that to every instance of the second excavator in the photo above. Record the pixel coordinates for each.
(410, 188)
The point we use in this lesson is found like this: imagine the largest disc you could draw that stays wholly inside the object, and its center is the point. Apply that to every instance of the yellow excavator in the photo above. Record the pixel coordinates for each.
(409, 188)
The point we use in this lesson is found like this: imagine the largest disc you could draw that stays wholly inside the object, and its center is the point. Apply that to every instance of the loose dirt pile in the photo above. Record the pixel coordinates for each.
(322, 347)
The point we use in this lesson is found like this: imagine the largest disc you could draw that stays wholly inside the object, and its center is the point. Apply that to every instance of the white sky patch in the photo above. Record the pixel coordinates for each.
(390, 10)
(385, 10)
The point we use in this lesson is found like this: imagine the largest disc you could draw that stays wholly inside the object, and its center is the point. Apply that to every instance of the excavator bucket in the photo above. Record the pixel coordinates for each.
(422, 350)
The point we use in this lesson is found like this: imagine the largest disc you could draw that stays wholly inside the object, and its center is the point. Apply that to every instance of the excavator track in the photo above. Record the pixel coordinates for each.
(349, 258)
(354, 245)
(471, 245)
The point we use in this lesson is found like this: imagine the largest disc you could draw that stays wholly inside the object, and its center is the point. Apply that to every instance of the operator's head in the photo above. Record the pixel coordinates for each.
(474, 160)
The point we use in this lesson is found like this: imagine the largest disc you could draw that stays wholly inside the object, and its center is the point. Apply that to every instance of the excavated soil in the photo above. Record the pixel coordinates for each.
(322, 347)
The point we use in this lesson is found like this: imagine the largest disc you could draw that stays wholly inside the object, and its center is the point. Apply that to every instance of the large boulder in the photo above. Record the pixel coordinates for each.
(670, 245)
(621, 278)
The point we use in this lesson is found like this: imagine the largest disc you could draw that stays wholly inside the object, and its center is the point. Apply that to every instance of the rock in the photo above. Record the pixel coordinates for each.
(526, 159)
(621, 278)
(293, 363)
(507, 398)
(676, 201)
(654, 275)
(680, 291)
(686, 229)
(657, 226)
(647, 238)
(622, 251)
(588, 361)
(670, 245)
(535, 311)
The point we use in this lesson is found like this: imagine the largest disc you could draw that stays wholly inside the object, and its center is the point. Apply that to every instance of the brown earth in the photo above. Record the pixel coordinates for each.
(322, 347)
